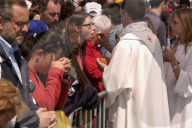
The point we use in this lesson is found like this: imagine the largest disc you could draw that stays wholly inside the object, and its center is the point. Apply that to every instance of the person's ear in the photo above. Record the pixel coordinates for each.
(128, 18)
(162, 4)
(39, 55)
(109, 16)
(1, 24)
(53, 57)
(40, 12)
(126, 15)
(77, 28)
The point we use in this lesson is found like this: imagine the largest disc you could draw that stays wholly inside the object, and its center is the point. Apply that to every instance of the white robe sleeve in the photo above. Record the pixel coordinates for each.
(184, 83)
(115, 78)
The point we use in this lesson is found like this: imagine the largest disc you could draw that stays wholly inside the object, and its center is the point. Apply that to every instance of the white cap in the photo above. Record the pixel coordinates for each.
(28, 4)
(93, 8)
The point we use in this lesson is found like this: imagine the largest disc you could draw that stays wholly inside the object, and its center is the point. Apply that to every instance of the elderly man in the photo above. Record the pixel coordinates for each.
(134, 78)
(14, 23)
(50, 12)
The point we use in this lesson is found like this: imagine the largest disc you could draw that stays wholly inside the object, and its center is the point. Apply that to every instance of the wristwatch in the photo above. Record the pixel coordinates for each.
(175, 67)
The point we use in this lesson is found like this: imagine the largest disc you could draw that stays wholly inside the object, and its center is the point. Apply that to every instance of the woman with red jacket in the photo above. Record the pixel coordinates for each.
(48, 58)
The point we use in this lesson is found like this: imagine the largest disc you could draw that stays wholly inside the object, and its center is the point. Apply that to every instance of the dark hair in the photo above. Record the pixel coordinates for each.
(27, 44)
(156, 3)
(134, 8)
(33, 12)
(35, 3)
(6, 7)
(50, 42)
(182, 6)
(43, 3)
(67, 10)
(185, 2)
(113, 10)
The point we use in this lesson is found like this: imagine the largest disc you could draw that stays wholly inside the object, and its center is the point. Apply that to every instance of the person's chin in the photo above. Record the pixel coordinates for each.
(19, 40)
(90, 38)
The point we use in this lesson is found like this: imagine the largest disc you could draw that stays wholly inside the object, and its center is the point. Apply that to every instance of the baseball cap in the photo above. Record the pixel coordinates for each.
(93, 8)
(37, 26)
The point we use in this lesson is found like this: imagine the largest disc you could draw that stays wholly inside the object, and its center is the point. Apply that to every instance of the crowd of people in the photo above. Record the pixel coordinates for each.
(50, 59)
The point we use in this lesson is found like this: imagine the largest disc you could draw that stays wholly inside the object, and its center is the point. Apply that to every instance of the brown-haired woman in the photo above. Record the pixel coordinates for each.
(82, 94)
(80, 28)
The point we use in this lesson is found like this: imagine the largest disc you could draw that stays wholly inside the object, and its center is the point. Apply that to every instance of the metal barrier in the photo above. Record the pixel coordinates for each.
(96, 118)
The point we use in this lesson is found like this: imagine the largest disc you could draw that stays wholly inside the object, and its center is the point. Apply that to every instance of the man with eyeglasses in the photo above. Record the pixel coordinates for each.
(50, 12)
(14, 23)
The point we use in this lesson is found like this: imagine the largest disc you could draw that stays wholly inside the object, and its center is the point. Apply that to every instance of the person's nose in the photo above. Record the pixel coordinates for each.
(93, 28)
(24, 29)
(171, 25)
(56, 17)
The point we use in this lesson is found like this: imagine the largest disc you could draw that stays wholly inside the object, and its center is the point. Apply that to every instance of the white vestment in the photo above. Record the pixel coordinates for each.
(180, 91)
(135, 81)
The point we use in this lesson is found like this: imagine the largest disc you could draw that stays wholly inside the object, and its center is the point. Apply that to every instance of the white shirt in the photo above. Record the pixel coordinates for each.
(180, 91)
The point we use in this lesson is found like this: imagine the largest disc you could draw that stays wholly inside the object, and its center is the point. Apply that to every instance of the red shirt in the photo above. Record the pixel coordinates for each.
(90, 65)
(54, 94)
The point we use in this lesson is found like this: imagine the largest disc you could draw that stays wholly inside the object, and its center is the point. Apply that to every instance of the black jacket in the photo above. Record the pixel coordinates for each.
(30, 118)
(88, 99)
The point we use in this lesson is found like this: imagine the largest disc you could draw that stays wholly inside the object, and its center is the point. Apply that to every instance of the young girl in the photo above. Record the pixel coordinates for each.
(49, 58)
(179, 70)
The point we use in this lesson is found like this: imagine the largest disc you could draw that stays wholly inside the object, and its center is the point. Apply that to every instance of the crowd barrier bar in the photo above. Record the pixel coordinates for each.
(96, 118)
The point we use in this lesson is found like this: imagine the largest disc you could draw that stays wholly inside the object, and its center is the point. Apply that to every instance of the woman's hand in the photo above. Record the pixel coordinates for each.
(63, 63)
(67, 65)
(169, 54)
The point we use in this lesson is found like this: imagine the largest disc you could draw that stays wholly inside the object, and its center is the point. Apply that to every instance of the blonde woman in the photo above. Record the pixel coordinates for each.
(179, 70)
(11, 103)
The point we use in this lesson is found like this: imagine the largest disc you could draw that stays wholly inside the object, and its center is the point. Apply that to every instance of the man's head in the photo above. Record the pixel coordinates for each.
(50, 12)
(132, 11)
(103, 26)
(160, 4)
(14, 20)
(112, 10)
(157, 3)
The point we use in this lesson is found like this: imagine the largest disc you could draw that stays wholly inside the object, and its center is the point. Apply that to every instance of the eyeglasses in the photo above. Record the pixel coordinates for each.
(19, 24)
(88, 25)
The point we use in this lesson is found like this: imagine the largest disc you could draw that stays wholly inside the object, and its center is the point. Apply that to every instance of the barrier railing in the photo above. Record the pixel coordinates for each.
(96, 118)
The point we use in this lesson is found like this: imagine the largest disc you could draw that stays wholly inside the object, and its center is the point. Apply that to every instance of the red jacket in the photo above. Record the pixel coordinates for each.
(90, 65)
(54, 94)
